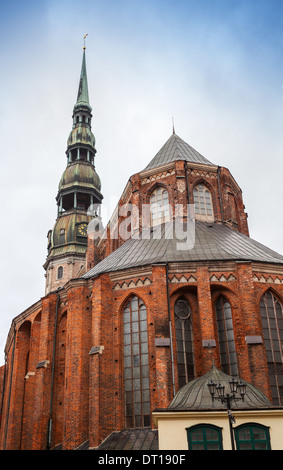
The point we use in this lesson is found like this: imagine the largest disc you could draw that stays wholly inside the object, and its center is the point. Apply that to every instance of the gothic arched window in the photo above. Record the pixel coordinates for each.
(136, 370)
(203, 203)
(159, 206)
(228, 357)
(183, 330)
(272, 327)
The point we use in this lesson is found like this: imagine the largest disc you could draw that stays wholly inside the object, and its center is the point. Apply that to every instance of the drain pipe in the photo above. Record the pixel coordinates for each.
(52, 376)
(170, 330)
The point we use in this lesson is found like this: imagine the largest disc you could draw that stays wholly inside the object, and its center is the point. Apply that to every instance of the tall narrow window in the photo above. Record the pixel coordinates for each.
(136, 371)
(159, 206)
(184, 345)
(272, 326)
(60, 272)
(203, 203)
(226, 339)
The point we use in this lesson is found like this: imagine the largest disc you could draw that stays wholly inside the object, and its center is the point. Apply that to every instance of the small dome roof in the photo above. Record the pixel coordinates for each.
(80, 174)
(195, 395)
(81, 135)
(68, 223)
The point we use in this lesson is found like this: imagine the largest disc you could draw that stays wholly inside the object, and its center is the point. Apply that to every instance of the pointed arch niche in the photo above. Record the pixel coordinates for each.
(271, 312)
(22, 360)
(136, 364)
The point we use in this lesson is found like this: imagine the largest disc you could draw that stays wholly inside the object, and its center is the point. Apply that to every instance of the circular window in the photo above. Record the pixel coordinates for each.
(182, 309)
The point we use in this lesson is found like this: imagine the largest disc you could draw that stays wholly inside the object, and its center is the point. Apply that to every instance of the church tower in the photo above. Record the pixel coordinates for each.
(79, 188)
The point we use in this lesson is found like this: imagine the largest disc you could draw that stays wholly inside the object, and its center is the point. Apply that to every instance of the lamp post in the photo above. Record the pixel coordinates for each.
(217, 392)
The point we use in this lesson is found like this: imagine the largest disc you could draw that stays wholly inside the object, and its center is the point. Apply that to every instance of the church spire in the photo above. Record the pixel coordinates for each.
(79, 188)
(83, 98)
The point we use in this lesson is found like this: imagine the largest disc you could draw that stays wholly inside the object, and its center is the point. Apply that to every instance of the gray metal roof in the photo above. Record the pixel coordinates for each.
(213, 242)
(131, 439)
(195, 395)
(176, 149)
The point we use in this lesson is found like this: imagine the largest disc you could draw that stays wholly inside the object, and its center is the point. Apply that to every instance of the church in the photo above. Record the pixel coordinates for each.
(140, 317)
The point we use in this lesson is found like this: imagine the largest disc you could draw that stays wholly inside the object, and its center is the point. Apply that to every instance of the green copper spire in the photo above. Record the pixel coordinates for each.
(82, 97)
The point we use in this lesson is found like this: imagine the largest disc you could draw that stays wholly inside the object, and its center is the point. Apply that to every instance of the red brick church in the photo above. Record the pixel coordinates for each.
(130, 313)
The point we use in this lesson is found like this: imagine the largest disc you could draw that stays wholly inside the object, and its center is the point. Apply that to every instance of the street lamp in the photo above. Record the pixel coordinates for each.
(217, 392)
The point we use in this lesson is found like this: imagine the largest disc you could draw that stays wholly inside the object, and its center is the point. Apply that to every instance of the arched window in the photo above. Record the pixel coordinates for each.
(60, 272)
(203, 203)
(136, 370)
(183, 330)
(272, 327)
(204, 437)
(226, 339)
(252, 436)
(159, 206)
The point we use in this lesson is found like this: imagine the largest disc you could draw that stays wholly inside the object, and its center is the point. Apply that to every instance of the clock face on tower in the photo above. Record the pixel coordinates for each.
(82, 230)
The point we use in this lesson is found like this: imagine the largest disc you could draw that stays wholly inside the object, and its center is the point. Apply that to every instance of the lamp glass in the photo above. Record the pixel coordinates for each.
(212, 387)
(242, 388)
(233, 385)
(220, 390)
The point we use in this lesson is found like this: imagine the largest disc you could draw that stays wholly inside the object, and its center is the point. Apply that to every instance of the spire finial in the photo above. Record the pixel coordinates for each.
(82, 97)
(84, 40)
(173, 125)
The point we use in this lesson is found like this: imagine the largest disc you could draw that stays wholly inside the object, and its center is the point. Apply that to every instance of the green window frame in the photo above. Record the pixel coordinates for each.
(205, 437)
(252, 436)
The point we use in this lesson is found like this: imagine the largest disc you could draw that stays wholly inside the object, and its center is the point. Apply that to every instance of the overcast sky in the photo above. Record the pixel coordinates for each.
(214, 65)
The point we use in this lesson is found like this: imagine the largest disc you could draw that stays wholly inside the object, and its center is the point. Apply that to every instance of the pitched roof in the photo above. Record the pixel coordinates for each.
(176, 149)
(213, 242)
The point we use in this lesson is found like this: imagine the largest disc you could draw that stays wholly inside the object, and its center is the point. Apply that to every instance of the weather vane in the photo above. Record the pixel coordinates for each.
(84, 39)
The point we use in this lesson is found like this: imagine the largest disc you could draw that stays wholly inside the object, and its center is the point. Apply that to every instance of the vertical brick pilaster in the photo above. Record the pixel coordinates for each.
(207, 331)
(102, 412)
(42, 378)
(77, 373)
(164, 385)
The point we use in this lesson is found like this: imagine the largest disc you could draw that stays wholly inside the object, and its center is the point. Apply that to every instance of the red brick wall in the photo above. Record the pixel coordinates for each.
(88, 389)
(88, 398)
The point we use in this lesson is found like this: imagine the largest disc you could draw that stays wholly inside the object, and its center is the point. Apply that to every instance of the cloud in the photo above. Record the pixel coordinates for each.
(213, 65)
